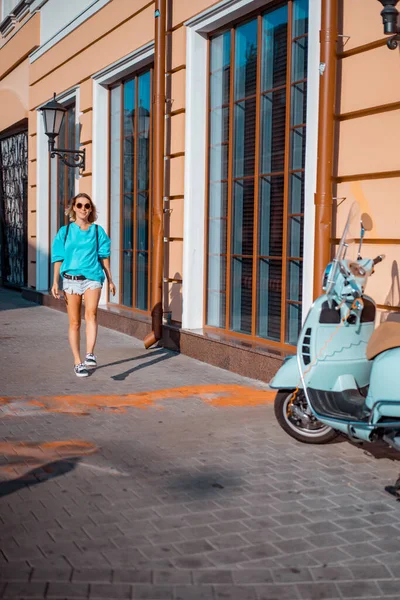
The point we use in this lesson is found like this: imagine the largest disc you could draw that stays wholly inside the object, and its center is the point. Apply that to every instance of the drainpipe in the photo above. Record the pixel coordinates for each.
(326, 137)
(157, 262)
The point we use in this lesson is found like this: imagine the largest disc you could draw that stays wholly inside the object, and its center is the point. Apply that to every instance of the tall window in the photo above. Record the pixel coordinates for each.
(62, 178)
(257, 114)
(130, 151)
(62, 187)
(65, 175)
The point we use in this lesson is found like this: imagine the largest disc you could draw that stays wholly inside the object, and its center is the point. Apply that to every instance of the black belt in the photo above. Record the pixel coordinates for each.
(74, 277)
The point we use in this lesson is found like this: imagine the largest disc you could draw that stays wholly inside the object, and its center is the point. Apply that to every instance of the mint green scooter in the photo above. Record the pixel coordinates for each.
(345, 377)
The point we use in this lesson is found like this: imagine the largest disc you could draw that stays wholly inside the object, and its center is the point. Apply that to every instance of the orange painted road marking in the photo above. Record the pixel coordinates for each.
(214, 395)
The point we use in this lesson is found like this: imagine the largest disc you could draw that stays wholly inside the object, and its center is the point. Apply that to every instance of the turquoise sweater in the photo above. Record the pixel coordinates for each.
(79, 252)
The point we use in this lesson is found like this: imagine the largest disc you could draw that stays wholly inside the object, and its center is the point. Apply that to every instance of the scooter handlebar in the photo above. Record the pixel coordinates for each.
(378, 259)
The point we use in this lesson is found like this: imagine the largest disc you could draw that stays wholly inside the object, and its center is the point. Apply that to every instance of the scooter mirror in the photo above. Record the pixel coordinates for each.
(366, 222)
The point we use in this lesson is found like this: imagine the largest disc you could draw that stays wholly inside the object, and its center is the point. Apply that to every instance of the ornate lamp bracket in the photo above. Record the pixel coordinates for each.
(71, 158)
(393, 41)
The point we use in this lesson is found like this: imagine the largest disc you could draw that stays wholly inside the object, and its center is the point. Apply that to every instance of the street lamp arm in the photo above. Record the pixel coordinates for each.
(71, 158)
(393, 42)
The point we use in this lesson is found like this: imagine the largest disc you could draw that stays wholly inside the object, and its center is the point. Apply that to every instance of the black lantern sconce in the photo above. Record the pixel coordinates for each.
(53, 115)
(390, 17)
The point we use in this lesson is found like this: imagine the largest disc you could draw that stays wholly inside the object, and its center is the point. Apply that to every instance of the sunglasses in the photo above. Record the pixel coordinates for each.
(79, 205)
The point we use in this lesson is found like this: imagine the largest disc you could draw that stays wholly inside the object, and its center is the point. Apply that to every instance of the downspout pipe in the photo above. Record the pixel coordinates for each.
(157, 256)
(323, 198)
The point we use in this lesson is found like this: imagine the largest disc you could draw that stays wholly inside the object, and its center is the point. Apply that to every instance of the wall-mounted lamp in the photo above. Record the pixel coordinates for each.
(390, 17)
(53, 115)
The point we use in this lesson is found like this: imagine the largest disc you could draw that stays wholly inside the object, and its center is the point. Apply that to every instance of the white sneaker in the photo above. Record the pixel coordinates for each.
(90, 360)
(81, 370)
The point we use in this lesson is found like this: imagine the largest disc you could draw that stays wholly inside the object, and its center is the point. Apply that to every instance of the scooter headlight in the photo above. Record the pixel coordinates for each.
(325, 277)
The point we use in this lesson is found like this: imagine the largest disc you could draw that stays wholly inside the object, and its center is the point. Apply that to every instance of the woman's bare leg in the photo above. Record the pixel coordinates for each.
(92, 298)
(74, 303)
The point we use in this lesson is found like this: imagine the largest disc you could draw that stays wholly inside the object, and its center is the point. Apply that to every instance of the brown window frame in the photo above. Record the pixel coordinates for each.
(120, 83)
(286, 258)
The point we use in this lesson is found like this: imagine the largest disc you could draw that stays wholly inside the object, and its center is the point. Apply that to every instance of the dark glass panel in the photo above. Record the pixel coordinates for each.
(246, 59)
(218, 163)
(245, 138)
(216, 286)
(70, 172)
(220, 52)
(217, 273)
(217, 236)
(299, 59)
(128, 150)
(271, 216)
(142, 222)
(127, 222)
(243, 217)
(218, 198)
(219, 125)
(269, 296)
(273, 122)
(295, 280)
(296, 236)
(61, 192)
(300, 17)
(143, 163)
(298, 148)
(220, 88)
(142, 284)
(296, 192)
(274, 50)
(220, 47)
(61, 173)
(241, 294)
(293, 323)
(127, 269)
(143, 133)
(129, 107)
(299, 104)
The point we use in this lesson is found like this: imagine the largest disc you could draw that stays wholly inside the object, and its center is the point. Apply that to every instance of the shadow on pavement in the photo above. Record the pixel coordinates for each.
(126, 360)
(39, 475)
(377, 450)
(11, 299)
(207, 485)
(163, 355)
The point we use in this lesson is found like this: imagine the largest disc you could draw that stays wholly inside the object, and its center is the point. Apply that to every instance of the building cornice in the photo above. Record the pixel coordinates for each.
(19, 11)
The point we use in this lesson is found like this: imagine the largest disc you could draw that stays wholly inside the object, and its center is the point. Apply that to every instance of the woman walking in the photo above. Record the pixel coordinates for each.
(81, 255)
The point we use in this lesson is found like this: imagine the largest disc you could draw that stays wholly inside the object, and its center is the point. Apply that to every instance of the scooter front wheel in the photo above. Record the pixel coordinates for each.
(295, 420)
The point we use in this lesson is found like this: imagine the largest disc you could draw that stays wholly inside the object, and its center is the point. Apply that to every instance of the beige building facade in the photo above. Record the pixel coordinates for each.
(242, 136)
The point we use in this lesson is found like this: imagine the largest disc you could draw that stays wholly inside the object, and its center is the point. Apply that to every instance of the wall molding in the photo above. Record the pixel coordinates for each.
(68, 28)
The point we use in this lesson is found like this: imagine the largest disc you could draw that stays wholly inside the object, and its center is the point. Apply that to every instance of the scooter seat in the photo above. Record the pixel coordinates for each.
(385, 337)
(348, 405)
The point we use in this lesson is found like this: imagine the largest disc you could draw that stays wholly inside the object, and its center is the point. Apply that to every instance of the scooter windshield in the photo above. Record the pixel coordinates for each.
(347, 246)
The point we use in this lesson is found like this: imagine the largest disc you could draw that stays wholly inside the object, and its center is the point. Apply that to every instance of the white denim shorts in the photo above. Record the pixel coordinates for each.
(74, 286)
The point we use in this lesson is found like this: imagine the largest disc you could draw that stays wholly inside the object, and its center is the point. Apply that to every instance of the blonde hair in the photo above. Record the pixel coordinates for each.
(70, 213)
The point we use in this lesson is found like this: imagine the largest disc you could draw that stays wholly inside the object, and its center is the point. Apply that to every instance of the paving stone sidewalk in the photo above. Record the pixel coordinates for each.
(180, 499)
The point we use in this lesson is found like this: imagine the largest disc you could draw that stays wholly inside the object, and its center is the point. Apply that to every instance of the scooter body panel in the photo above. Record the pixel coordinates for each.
(288, 376)
(384, 385)
(329, 349)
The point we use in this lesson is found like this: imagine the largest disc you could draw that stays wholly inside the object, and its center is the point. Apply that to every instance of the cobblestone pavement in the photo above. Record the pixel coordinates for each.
(189, 495)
